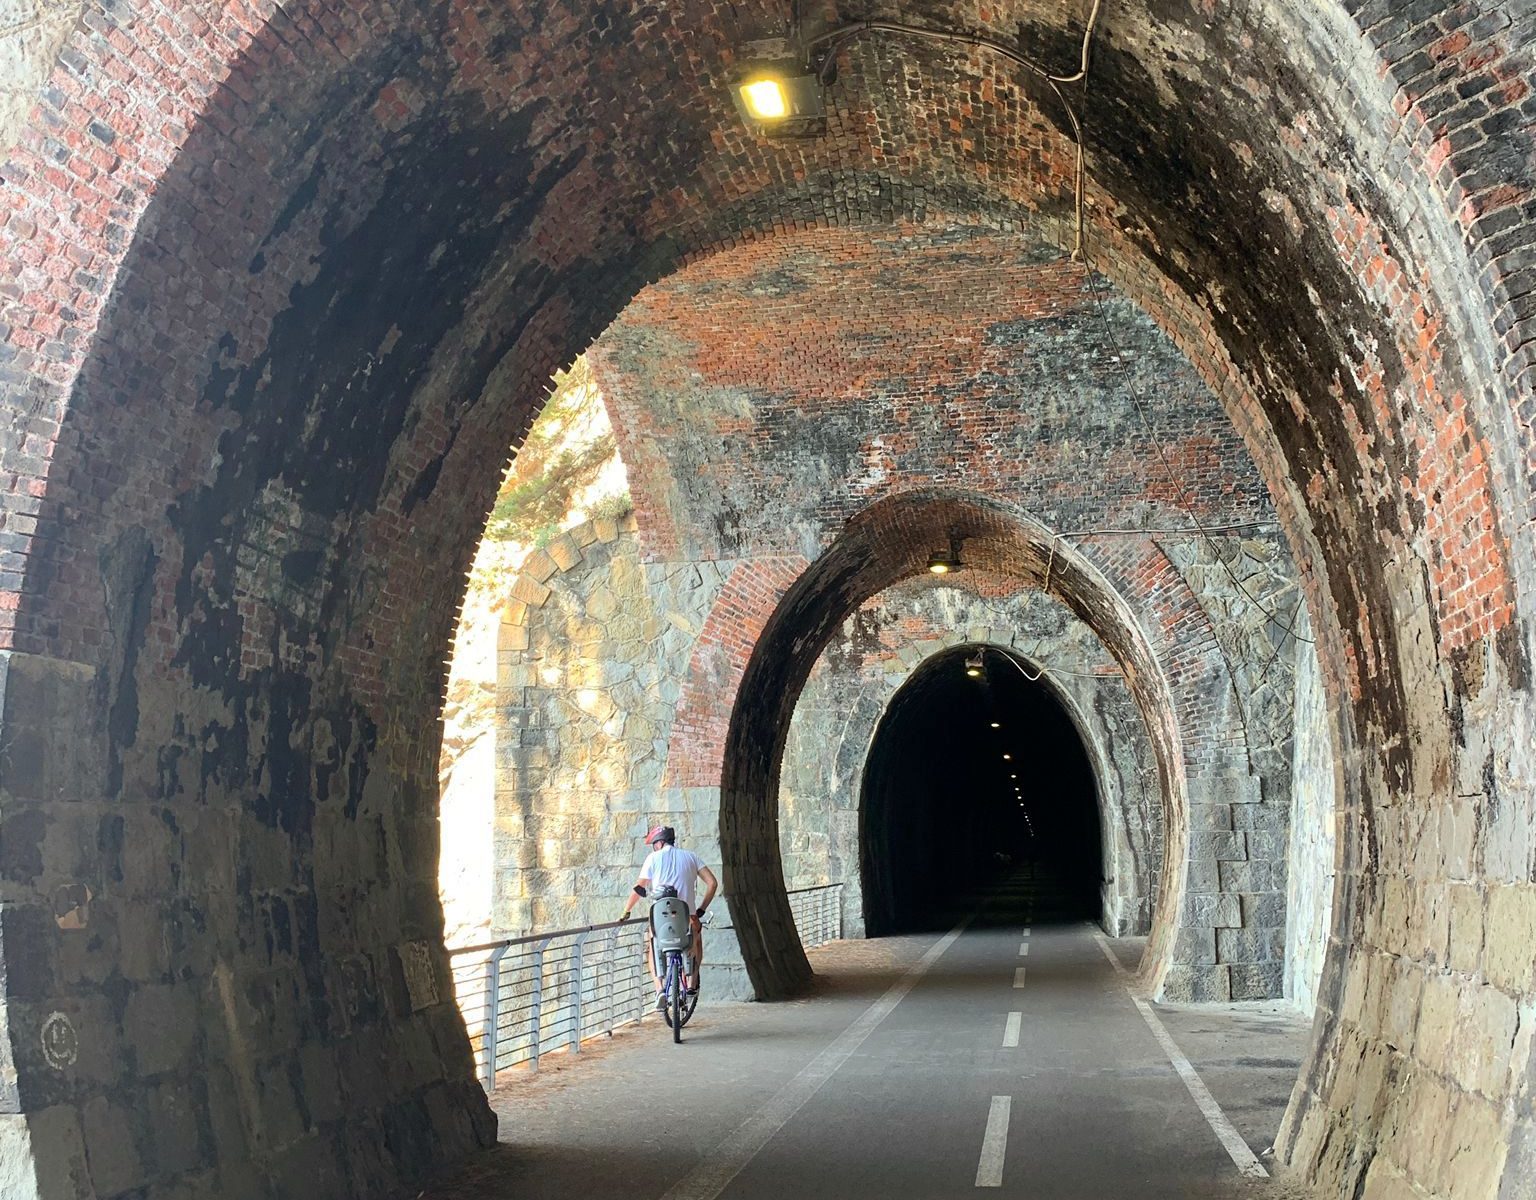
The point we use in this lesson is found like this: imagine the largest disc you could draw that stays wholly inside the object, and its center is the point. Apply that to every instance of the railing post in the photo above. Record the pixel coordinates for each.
(576, 996)
(537, 1003)
(493, 1015)
(611, 957)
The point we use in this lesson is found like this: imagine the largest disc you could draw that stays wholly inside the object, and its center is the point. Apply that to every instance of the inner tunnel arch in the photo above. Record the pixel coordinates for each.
(968, 776)
(885, 544)
(878, 652)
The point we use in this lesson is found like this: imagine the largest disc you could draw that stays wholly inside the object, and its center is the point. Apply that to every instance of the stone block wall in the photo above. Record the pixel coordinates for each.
(593, 651)
(1313, 835)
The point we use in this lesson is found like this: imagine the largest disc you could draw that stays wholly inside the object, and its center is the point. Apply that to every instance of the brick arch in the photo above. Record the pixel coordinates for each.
(239, 600)
(889, 542)
(752, 591)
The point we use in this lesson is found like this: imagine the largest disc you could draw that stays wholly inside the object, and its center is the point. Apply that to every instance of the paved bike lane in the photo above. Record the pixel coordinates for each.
(935, 1104)
(855, 1093)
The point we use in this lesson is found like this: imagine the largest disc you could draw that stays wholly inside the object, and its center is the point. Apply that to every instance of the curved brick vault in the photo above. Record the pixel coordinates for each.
(880, 547)
(278, 285)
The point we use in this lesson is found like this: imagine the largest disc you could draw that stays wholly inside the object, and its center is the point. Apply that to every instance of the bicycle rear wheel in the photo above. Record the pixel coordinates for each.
(677, 996)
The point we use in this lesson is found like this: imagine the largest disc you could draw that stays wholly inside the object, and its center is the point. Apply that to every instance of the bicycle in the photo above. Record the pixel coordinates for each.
(671, 944)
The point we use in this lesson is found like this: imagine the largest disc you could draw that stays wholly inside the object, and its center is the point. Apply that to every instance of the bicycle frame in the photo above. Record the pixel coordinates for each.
(672, 945)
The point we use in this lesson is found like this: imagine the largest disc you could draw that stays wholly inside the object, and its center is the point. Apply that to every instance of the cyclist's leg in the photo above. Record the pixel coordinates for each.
(651, 960)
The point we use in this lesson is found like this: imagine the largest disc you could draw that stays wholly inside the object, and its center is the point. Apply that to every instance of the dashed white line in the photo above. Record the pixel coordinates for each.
(1237, 1149)
(1023, 949)
(1018, 977)
(1026, 931)
(727, 1160)
(1011, 1030)
(994, 1143)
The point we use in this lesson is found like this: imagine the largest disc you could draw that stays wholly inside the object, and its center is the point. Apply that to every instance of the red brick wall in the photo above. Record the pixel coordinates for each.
(695, 753)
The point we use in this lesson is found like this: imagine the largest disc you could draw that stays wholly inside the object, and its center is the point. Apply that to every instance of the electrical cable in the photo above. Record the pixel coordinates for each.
(1054, 672)
(837, 39)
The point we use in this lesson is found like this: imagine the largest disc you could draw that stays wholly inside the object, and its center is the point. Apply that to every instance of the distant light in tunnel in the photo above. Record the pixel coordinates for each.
(1007, 757)
(995, 725)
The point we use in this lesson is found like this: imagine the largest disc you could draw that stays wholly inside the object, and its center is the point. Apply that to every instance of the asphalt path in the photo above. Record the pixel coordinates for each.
(1005, 1057)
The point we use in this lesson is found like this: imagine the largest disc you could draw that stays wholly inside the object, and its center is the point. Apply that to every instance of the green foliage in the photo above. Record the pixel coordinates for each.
(530, 504)
(614, 507)
(555, 462)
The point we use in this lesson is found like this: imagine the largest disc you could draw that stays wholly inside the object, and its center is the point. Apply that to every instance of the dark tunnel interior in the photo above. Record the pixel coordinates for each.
(968, 776)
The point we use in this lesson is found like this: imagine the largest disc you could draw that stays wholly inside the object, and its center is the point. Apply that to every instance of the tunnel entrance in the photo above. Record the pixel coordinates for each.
(975, 768)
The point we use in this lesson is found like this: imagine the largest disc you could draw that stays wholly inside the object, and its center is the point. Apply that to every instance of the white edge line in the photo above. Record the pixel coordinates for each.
(1114, 959)
(1226, 1133)
(727, 1160)
(1011, 1031)
(994, 1143)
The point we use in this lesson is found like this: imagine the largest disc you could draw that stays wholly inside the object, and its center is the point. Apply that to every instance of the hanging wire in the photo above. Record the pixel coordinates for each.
(829, 44)
(1053, 672)
(835, 40)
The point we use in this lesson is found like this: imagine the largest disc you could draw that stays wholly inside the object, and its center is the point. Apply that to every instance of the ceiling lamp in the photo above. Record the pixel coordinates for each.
(996, 725)
(942, 562)
(973, 666)
(777, 93)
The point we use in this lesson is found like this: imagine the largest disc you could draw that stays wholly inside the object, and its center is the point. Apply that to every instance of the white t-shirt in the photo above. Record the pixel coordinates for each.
(674, 867)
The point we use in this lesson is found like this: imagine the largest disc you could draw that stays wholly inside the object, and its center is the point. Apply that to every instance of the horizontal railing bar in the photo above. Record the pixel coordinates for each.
(529, 939)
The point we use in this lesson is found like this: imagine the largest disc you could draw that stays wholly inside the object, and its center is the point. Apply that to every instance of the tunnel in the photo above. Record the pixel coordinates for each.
(282, 287)
(969, 776)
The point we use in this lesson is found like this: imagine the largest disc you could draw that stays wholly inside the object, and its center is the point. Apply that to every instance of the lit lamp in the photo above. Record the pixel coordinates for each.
(973, 666)
(777, 92)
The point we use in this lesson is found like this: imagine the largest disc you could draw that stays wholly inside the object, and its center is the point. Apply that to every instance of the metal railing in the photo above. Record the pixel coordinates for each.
(524, 997)
(818, 913)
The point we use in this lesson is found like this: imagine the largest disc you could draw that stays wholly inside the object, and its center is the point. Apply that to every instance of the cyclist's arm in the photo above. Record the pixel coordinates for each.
(711, 885)
(634, 895)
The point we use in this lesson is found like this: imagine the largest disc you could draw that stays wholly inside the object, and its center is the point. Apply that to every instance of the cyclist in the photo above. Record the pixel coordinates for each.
(669, 866)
